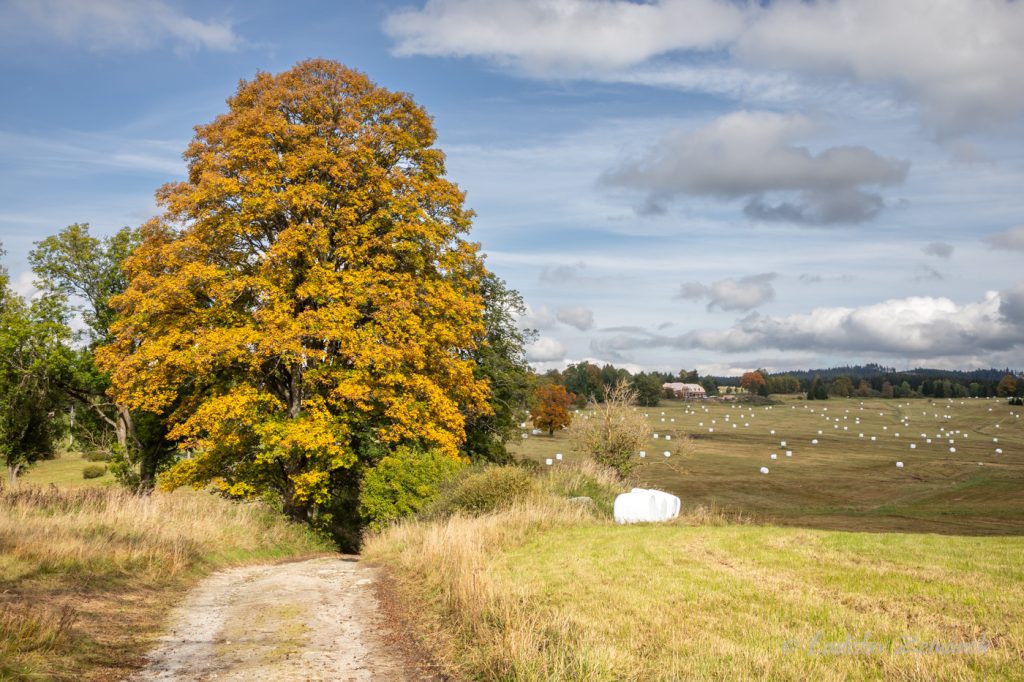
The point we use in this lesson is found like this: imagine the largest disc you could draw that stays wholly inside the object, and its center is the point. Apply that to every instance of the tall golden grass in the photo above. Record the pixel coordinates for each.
(68, 556)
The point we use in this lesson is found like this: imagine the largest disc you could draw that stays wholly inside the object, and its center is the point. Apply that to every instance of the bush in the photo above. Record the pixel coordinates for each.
(402, 483)
(94, 470)
(486, 490)
(97, 456)
(614, 432)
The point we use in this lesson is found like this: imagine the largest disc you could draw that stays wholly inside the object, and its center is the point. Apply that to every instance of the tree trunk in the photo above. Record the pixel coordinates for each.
(12, 472)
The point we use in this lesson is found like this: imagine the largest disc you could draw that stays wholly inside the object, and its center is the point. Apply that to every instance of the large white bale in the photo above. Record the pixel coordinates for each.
(646, 506)
(899, 465)
(764, 470)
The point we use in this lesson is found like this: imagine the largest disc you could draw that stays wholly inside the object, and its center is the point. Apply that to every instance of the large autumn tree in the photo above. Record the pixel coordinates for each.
(307, 296)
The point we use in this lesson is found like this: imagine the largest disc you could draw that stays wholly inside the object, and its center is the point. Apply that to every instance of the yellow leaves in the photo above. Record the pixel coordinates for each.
(308, 280)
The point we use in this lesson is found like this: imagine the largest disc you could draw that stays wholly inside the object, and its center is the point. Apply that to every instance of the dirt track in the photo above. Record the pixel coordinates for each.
(309, 620)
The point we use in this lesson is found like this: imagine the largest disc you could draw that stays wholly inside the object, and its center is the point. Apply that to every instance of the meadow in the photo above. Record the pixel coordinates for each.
(836, 565)
(848, 480)
(89, 572)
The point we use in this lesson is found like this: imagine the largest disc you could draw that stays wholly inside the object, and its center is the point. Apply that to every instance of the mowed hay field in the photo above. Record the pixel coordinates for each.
(845, 481)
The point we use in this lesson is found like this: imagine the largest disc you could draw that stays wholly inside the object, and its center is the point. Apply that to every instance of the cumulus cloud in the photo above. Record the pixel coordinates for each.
(105, 25)
(918, 327)
(748, 154)
(938, 249)
(540, 318)
(745, 293)
(1012, 239)
(545, 349)
(959, 60)
(548, 37)
(577, 316)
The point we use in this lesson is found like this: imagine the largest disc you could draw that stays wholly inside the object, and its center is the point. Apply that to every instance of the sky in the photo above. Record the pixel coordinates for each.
(703, 184)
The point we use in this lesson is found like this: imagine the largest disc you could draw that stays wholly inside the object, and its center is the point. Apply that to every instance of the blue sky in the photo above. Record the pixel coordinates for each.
(670, 184)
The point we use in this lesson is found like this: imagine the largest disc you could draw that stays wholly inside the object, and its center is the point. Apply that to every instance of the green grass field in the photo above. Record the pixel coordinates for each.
(845, 481)
(64, 471)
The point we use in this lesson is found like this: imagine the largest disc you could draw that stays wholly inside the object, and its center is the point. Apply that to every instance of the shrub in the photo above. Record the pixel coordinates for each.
(613, 432)
(486, 490)
(402, 483)
(97, 456)
(94, 470)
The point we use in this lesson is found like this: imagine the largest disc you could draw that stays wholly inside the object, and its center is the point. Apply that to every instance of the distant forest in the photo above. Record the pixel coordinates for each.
(589, 381)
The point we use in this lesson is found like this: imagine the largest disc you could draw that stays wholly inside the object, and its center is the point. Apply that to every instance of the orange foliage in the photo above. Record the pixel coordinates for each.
(552, 411)
(306, 291)
(752, 381)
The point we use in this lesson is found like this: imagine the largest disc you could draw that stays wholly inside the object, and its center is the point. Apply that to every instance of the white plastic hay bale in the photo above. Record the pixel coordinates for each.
(899, 465)
(773, 432)
(873, 438)
(656, 436)
(764, 470)
(668, 437)
(774, 456)
(814, 442)
(789, 453)
(782, 444)
(999, 451)
(525, 436)
(667, 453)
(913, 446)
(558, 456)
(536, 432)
(645, 506)
(643, 454)
(711, 430)
(549, 461)
(952, 449)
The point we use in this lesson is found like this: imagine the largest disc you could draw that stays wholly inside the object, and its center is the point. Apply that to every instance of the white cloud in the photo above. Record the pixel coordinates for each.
(918, 327)
(545, 349)
(563, 36)
(577, 316)
(959, 60)
(540, 318)
(748, 154)
(109, 25)
(1012, 239)
(745, 293)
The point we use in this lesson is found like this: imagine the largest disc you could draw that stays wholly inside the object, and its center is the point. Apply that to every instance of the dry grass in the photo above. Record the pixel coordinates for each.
(86, 574)
(551, 591)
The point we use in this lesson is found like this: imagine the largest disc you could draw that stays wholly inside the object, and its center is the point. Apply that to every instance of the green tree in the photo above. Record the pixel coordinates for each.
(648, 389)
(1007, 386)
(34, 356)
(501, 362)
(710, 386)
(841, 387)
(818, 390)
(75, 264)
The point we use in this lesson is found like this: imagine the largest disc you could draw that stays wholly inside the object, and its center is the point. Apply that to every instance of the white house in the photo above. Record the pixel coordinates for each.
(685, 391)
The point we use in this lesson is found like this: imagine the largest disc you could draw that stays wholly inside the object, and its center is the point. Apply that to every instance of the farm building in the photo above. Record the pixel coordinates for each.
(685, 391)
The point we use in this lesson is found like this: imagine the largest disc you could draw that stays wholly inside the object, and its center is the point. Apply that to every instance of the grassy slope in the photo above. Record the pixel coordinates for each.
(844, 482)
(539, 595)
(88, 574)
(65, 471)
